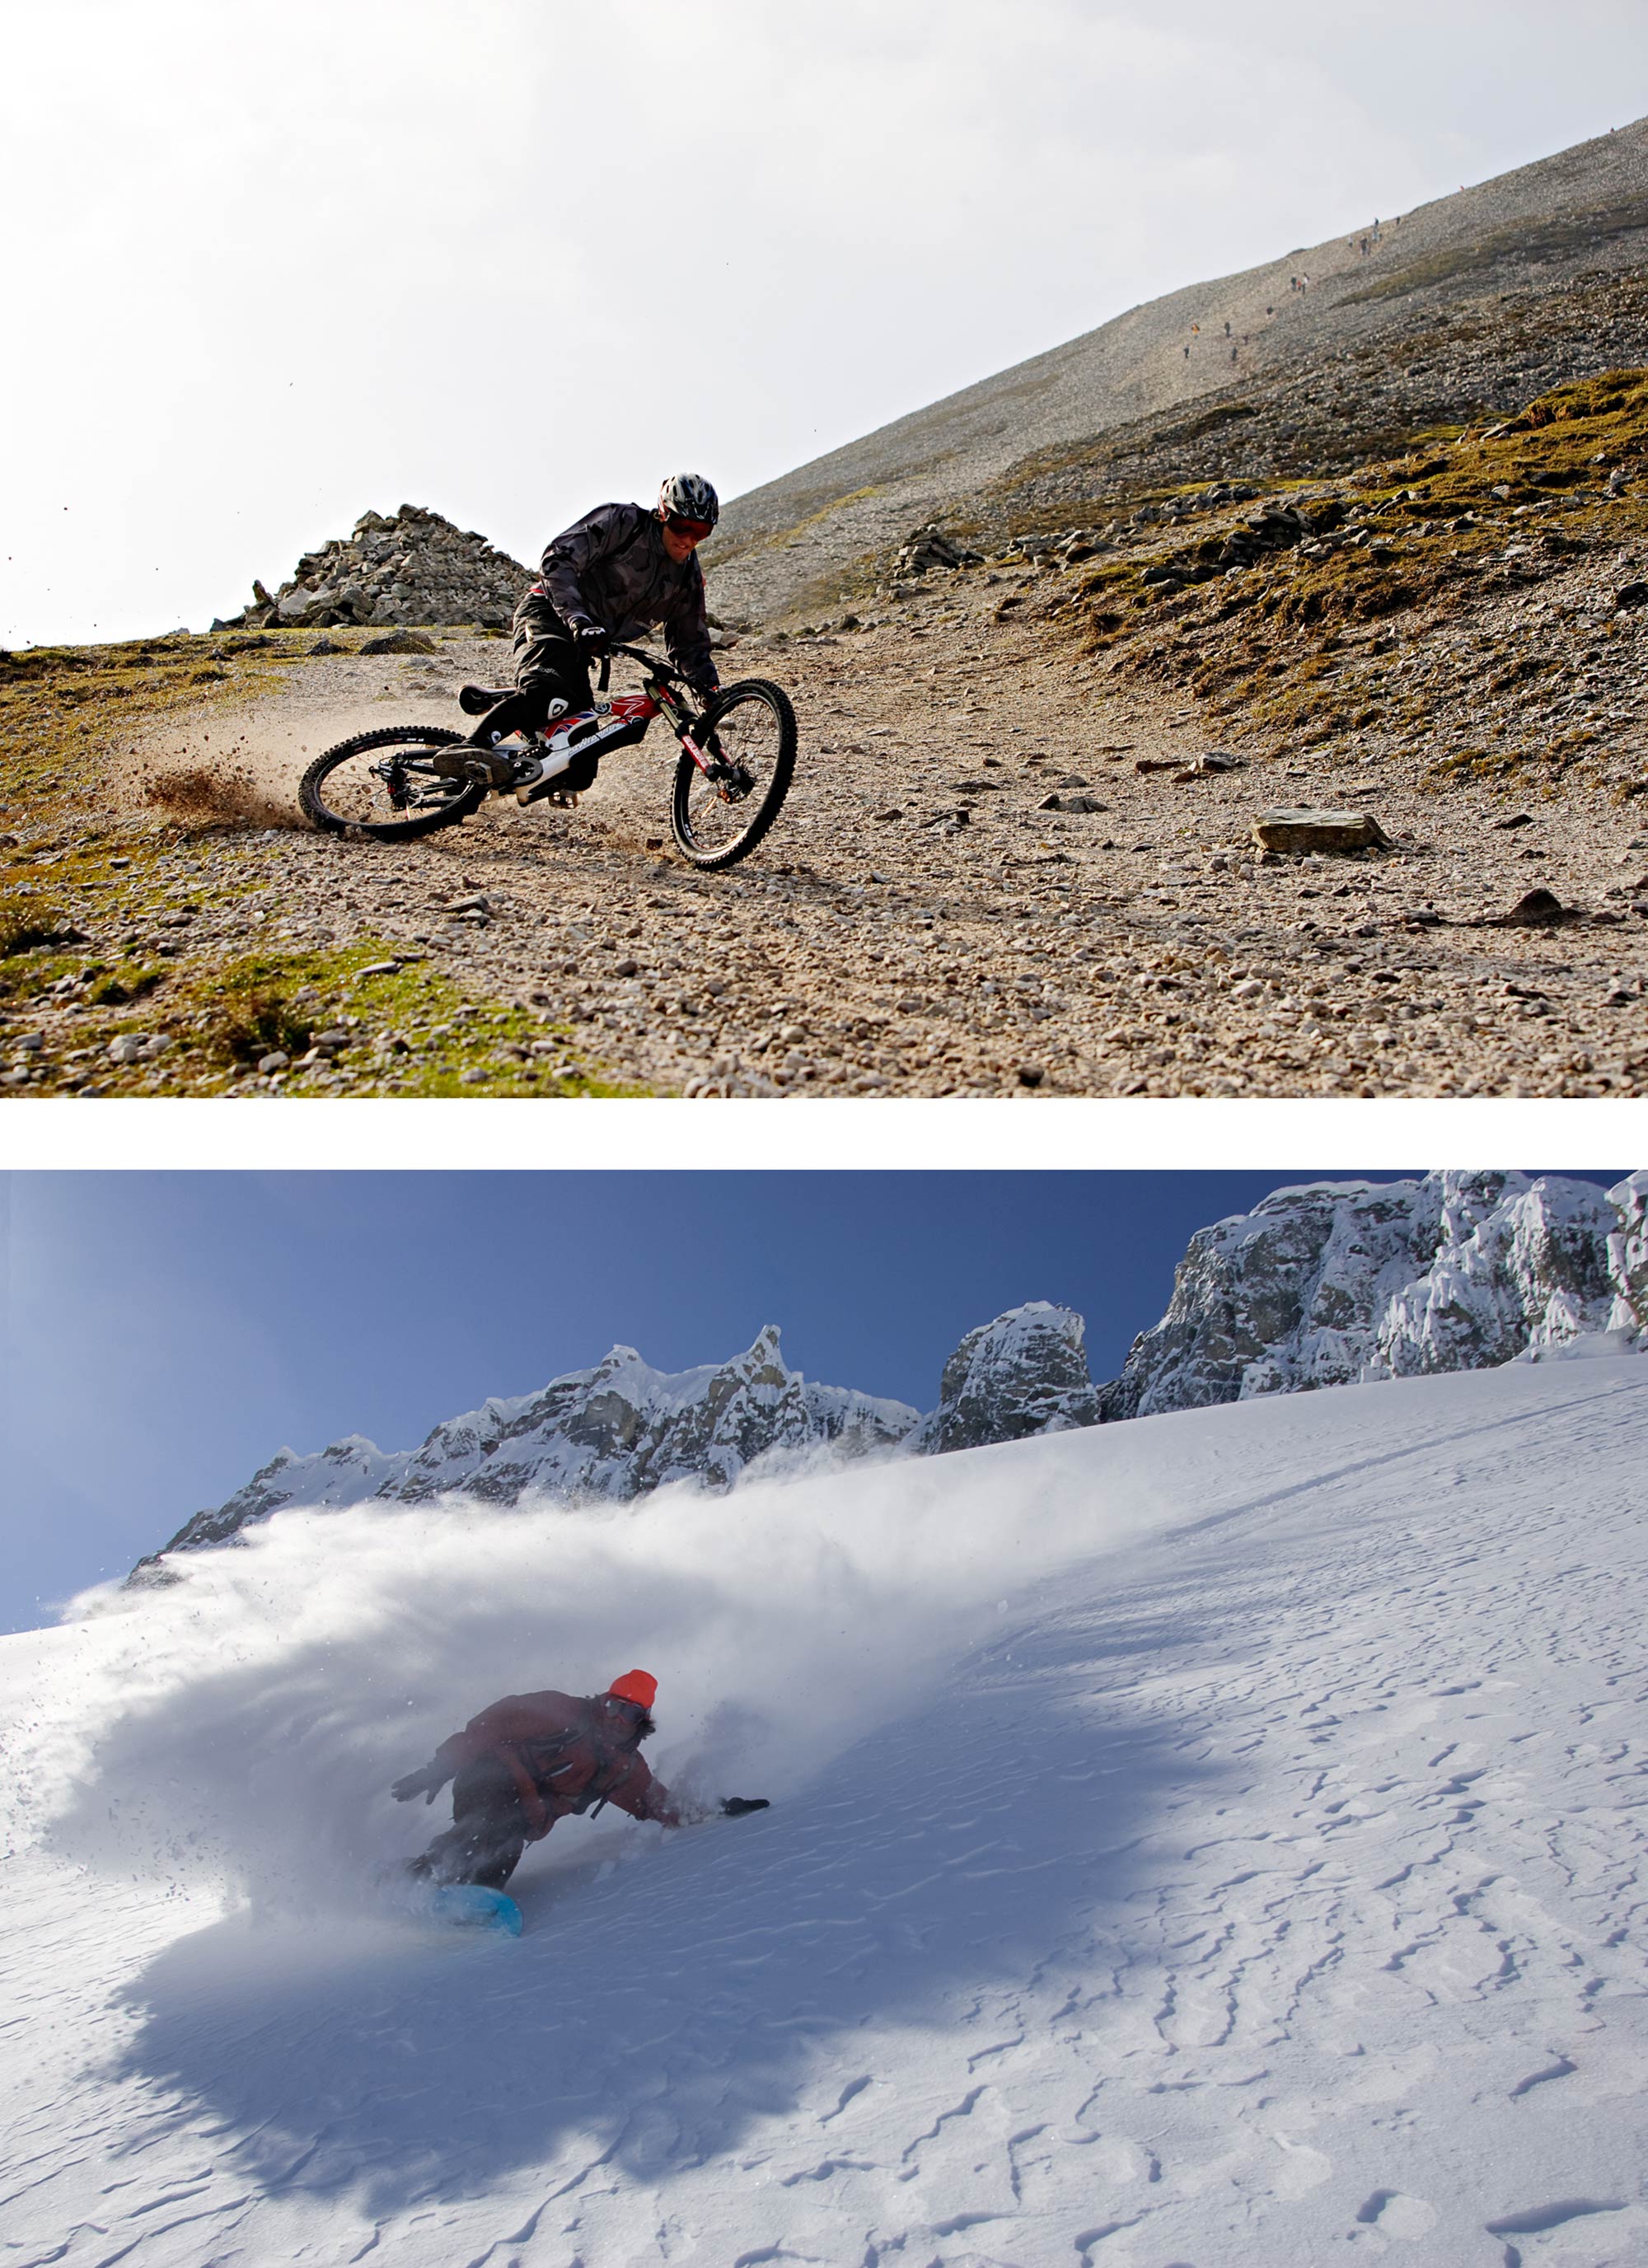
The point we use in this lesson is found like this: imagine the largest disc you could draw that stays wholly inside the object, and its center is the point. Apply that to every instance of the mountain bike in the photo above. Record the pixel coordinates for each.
(734, 772)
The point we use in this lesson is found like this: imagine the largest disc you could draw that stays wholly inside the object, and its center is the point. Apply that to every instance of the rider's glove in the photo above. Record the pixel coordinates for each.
(427, 1781)
(734, 1806)
(589, 638)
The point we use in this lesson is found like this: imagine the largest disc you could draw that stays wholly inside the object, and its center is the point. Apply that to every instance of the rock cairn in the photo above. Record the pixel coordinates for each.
(414, 568)
(926, 551)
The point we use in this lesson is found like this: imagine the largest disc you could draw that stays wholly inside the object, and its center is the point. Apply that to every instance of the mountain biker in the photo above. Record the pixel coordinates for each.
(612, 575)
(533, 1758)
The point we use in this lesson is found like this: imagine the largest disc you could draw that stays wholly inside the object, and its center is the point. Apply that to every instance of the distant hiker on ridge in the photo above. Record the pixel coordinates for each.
(533, 1758)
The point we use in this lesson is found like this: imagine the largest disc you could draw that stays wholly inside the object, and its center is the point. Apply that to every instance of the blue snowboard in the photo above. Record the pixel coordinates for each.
(467, 1906)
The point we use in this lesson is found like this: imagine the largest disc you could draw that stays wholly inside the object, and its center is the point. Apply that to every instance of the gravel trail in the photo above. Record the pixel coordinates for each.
(917, 924)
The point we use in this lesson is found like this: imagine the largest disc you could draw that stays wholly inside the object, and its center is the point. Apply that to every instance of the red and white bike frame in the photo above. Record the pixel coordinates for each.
(619, 723)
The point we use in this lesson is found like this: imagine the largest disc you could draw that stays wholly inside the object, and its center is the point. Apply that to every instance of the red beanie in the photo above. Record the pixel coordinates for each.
(635, 1685)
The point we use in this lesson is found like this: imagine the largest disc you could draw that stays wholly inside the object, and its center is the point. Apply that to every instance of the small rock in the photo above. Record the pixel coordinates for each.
(1297, 831)
(379, 969)
(473, 1077)
(126, 1047)
(1030, 1074)
(399, 642)
(31, 1043)
(1522, 818)
(1634, 594)
(1538, 910)
(276, 1060)
(327, 646)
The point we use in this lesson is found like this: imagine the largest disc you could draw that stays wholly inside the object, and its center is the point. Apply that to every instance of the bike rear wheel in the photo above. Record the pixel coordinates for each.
(750, 731)
(382, 785)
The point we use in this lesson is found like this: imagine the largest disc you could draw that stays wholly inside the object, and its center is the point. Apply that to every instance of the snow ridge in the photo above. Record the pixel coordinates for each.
(1332, 1283)
(617, 1430)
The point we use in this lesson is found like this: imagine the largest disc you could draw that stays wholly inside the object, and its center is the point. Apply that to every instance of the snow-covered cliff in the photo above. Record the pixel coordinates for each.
(1340, 1282)
(1026, 1373)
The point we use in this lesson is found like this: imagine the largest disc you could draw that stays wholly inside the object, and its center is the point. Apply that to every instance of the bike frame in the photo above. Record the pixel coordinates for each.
(628, 716)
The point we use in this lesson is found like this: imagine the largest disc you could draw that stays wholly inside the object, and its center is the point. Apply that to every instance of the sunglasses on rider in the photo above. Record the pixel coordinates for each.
(697, 529)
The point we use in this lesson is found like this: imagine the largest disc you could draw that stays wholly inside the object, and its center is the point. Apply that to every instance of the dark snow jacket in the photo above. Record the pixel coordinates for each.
(610, 568)
(563, 1754)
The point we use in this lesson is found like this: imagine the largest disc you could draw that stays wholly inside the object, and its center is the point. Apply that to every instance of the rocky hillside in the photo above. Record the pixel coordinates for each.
(416, 567)
(1455, 309)
(1477, 606)
(1322, 1285)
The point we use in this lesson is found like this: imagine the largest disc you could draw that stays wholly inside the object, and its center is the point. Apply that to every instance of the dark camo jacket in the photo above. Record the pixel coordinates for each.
(610, 568)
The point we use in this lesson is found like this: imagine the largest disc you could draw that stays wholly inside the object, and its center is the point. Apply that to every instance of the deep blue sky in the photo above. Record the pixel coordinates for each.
(168, 1332)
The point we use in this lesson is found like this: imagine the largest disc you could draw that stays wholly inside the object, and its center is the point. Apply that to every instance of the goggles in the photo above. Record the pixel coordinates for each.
(696, 529)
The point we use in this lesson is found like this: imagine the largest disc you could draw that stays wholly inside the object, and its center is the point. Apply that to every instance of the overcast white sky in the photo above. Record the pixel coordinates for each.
(269, 267)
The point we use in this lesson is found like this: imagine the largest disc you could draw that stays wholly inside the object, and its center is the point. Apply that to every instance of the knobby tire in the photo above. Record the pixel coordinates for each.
(460, 804)
(764, 807)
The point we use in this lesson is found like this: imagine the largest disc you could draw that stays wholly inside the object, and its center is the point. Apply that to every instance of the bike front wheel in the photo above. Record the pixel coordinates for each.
(384, 784)
(749, 734)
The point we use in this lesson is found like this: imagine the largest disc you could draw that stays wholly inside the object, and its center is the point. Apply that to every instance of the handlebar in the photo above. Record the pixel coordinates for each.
(651, 661)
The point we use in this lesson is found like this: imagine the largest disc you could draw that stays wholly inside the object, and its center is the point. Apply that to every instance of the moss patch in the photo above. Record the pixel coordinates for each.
(407, 1030)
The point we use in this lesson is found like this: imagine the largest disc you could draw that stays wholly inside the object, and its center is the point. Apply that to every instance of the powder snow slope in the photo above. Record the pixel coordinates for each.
(1211, 1839)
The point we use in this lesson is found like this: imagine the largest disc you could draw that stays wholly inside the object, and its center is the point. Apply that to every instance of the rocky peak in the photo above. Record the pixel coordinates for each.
(1025, 1373)
(617, 1430)
(1339, 1282)
(415, 567)
(622, 1428)
(1627, 1254)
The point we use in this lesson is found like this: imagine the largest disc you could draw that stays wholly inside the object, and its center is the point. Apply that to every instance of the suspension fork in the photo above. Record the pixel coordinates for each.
(666, 697)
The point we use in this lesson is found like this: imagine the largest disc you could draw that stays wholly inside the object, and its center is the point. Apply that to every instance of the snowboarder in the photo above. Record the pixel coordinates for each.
(533, 1758)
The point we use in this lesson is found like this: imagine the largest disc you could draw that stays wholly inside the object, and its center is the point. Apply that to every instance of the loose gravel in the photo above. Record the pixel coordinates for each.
(919, 923)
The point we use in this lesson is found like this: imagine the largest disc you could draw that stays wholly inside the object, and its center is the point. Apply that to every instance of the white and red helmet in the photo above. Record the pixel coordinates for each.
(689, 495)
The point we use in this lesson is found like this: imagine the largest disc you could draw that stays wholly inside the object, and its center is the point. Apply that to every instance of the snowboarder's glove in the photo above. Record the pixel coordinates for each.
(734, 1806)
(427, 1781)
